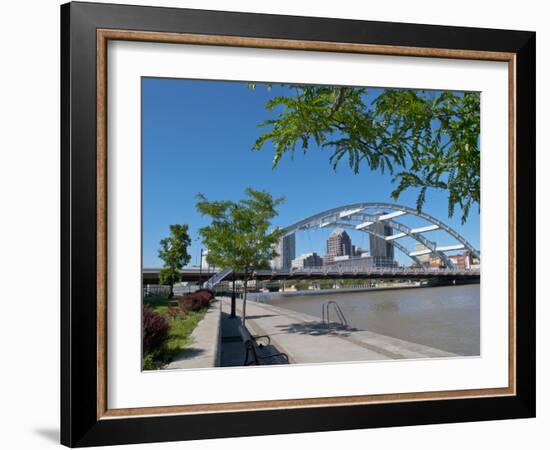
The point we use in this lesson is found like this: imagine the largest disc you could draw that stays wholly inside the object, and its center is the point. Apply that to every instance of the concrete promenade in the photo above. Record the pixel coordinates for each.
(305, 339)
(205, 348)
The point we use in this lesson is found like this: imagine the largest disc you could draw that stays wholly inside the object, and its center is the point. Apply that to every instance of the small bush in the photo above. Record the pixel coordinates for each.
(173, 312)
(196, 300)
(155, 330)
(149, 362)
(209, 292)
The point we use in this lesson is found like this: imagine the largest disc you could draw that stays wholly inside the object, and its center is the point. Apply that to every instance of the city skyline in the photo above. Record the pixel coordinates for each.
(340, 251)
(195, 130)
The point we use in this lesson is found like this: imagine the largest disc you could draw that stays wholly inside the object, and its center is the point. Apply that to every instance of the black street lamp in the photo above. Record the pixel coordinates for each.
(200, 270)
(233, 301)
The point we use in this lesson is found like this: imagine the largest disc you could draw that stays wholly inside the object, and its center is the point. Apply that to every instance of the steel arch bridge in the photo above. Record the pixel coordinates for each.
(361, 217)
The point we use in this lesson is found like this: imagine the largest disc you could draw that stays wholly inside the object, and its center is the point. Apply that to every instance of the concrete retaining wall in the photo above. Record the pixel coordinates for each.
(265, 296)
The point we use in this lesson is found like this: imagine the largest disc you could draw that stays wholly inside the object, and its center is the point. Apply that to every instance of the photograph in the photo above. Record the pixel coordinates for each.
(273, 223)
(288, 224)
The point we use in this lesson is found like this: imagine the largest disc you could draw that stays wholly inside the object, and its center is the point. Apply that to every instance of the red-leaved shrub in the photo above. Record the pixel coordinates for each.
(173, 312)
(155, 330)
(196, 300)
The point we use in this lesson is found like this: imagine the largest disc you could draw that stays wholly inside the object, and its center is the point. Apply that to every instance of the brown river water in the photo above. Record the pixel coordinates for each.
(447, 317)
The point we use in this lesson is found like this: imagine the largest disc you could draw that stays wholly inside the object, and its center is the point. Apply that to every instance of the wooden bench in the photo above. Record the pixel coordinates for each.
(256, 349)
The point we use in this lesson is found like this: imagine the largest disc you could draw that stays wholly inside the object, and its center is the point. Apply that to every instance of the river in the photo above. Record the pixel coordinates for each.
(447, 317)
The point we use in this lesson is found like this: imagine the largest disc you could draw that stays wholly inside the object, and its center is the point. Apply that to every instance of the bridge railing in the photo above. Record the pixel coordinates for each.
(323, 270)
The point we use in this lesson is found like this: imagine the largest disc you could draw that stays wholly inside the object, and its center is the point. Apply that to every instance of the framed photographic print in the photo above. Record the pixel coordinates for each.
(276, 224)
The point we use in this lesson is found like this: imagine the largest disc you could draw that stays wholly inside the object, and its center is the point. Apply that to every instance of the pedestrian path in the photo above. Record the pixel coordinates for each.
(306, 339)
(204, 350)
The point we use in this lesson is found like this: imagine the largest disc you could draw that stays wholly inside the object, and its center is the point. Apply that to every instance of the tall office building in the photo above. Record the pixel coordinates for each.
(338, 244)
(286, 250)
(380, 248)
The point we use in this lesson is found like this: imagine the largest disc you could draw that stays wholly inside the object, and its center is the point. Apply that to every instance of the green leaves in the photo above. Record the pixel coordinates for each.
(432, 137)
(169, 275)
(238, 235)
(173, 251)
(440, 132)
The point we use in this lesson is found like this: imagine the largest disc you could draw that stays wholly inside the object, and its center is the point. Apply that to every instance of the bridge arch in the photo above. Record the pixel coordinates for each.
(354, 216)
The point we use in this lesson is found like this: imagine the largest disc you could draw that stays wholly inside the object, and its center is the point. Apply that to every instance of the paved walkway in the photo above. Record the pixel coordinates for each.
(204, 350)
(305, 339)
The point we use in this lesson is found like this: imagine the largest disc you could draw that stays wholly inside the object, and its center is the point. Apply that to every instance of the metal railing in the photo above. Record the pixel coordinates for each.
(323, 270)
(217, 278)
(339, 313)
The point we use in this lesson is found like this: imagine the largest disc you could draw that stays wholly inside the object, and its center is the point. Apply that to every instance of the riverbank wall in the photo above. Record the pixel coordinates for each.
(266, 296)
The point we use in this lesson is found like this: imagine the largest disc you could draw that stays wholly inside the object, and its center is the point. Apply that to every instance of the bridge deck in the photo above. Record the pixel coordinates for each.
(151, 275)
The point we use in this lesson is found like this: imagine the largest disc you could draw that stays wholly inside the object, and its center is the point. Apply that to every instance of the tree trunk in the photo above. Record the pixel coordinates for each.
(171, 293)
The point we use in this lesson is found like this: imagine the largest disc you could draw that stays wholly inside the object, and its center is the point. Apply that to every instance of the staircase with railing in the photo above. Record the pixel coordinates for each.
(217, 278)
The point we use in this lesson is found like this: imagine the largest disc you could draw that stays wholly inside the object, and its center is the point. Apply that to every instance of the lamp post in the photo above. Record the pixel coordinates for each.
(233, 301)
(200, 270)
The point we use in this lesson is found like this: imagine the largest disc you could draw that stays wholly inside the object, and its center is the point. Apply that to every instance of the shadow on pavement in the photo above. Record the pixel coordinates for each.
(318, 329)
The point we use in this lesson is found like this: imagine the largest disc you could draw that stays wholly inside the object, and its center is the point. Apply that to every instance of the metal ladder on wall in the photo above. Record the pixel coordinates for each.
(339, 313)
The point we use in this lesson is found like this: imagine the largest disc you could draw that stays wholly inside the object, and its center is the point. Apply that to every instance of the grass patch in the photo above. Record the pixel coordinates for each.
(181, 327)
(160, 304)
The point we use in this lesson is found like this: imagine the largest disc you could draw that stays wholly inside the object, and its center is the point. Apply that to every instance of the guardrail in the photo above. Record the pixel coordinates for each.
(371, 271)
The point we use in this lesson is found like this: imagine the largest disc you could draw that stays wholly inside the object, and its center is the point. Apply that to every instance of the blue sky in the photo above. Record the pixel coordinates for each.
(197, 137)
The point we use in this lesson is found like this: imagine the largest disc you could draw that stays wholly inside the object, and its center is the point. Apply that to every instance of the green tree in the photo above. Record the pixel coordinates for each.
(426, 139)
(173, 251)
(239, 235)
